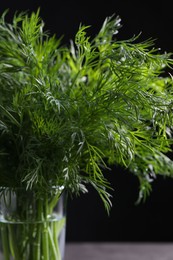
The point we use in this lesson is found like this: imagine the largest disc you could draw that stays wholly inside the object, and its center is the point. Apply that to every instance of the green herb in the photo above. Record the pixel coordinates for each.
(67, 111)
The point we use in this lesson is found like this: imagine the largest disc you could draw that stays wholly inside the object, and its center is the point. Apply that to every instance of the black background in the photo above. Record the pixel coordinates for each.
(86, 218)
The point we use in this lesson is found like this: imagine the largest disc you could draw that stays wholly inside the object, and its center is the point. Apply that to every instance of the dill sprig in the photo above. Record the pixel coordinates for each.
(67, 110)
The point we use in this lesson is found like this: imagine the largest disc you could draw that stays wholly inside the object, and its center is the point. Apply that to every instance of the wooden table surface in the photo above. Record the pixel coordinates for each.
(119, 251)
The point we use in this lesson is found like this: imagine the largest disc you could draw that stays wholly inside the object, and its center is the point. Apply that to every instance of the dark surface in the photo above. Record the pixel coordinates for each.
(113, 251)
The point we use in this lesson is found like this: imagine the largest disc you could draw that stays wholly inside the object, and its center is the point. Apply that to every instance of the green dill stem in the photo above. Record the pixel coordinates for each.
(53, 202)
(39, 230)
(45, 241)
(13, 242)
(5, 244)
(58, 226)
(55, 235)
(52, 244)
(45, 224)
(37, 243)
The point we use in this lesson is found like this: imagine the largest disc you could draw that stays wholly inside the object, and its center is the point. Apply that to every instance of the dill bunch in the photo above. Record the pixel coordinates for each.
(69, 112)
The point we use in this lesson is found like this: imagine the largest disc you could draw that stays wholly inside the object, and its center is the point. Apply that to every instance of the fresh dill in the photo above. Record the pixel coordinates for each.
(67, 110)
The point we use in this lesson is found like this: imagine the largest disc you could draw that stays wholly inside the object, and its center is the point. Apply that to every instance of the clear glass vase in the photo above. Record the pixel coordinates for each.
(32, 224)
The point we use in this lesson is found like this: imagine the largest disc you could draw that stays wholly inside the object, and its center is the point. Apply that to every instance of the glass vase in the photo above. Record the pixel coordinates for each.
(32, 224)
